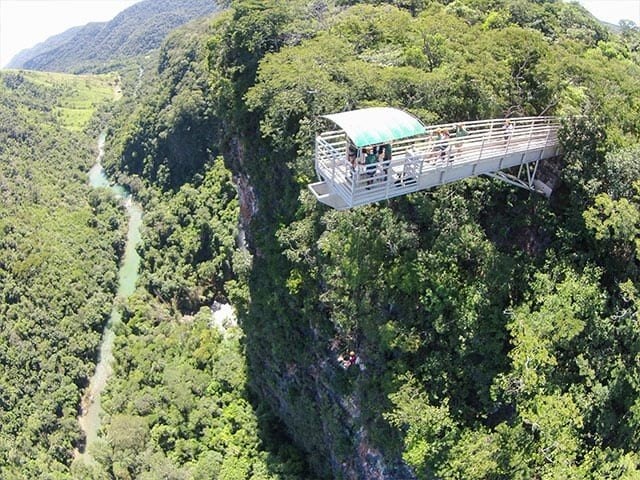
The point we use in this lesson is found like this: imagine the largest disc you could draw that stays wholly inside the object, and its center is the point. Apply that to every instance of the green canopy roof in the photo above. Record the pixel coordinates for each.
(370, 126)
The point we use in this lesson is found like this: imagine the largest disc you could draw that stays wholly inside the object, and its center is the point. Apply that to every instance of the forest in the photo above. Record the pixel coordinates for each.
(59, 251)
(497, 330)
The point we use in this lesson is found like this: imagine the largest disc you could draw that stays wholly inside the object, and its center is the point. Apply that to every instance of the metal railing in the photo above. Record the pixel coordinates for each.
(425, 161)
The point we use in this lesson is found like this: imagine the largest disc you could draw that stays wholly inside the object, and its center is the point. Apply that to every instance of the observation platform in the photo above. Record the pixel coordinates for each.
(409, 156)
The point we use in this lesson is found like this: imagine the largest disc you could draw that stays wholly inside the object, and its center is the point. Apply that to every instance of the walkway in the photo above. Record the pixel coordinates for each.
(418, 163)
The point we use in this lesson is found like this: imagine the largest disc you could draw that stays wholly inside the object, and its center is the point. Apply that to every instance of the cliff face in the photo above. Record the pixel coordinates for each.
(320, 417)
(295, 363)
(470, 307)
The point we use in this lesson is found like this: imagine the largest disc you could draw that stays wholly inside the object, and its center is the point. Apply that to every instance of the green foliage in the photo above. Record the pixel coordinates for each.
(552, 319)
(621, 175)
(59, 245)
(171, 136)
(475, 454)
(505, 309)
(613, 219)
(176, 405)
(615, 224)
(430, 429)
(189, 241)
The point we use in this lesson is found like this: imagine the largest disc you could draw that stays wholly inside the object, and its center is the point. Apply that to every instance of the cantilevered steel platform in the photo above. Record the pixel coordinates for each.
(420, 161)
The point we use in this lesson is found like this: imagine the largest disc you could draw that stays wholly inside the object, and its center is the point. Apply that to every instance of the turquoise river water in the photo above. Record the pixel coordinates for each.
(127, 277)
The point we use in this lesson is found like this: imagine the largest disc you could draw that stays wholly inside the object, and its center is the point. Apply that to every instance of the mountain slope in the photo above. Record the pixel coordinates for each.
(135, 31)
(497, 331)
(41, 48)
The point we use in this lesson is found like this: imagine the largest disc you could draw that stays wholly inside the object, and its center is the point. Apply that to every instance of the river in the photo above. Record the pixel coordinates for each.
(127, 277)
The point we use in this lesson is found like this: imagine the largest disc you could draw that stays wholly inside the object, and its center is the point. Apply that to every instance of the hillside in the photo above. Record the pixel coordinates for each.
(41, 48)
(497, 331)
(482, 315)
(98, 47)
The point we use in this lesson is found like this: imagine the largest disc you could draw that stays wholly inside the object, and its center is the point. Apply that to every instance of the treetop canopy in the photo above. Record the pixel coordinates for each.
(370, 126)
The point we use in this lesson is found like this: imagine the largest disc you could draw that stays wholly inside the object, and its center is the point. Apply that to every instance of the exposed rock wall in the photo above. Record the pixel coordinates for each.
(294, 365)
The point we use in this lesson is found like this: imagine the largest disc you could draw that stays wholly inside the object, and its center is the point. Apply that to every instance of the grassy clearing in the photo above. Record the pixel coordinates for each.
(76, 97)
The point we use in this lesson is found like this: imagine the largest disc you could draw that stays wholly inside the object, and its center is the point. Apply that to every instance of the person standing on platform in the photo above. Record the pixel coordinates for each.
(461, 132)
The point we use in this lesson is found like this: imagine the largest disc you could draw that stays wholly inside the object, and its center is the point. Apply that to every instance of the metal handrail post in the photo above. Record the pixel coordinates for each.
(389, 175)
(356, 180)
(484, 139)
(530, 133)
(333, 167)
(546, 141)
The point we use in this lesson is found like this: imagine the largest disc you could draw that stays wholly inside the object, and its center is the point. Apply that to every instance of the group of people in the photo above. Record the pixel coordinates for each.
(445, 148)
(375, 159)
(369, 155)
(446, 144)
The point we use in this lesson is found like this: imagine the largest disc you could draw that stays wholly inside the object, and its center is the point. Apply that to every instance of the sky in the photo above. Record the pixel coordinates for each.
(25, 23)
(611, 11)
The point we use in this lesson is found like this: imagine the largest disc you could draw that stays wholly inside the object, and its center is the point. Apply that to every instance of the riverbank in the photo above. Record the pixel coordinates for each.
(89, 419)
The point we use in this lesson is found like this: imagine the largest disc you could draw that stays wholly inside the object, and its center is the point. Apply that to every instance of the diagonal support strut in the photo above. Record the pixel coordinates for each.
(525, 178)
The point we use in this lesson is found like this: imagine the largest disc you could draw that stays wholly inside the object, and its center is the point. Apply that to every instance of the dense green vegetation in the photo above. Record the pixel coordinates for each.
(58, 287)
(59, 245)
(483, 315)
(180, 376)
(168, 137)
(497, 330)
